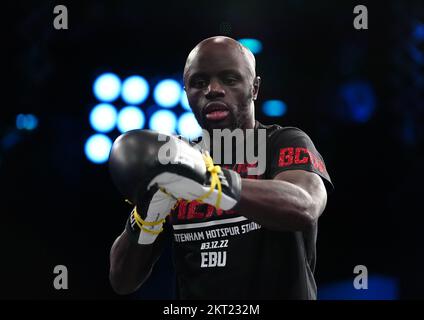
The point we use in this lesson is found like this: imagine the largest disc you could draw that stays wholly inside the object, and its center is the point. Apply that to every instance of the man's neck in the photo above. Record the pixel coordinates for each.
(252, 125)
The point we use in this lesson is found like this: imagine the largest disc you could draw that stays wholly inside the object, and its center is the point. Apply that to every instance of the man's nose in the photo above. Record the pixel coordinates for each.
(214, 90)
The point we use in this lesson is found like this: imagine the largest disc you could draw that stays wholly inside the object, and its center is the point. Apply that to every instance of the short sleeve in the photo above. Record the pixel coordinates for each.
(291, 149)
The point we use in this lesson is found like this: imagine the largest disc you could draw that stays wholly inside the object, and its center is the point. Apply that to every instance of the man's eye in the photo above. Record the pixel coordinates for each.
(199, 83)
(230, 81)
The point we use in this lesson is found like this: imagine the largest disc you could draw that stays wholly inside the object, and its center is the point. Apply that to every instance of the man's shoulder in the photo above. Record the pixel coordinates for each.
(276, 130)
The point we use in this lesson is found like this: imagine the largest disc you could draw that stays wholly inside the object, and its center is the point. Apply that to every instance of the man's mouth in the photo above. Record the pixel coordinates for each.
(216, 111)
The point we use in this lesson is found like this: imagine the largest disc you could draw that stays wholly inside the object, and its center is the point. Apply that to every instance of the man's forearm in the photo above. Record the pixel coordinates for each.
(276, 204)
(130, 264)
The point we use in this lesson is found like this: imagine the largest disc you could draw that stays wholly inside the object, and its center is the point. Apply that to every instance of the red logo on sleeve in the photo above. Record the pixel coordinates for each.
(301, 156)
(289, 156)
(286, 157)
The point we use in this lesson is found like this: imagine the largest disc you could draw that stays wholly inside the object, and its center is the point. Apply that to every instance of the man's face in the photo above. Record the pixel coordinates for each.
(220, 87)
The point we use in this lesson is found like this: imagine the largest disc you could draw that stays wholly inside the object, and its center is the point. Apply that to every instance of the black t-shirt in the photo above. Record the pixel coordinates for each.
(223, 255)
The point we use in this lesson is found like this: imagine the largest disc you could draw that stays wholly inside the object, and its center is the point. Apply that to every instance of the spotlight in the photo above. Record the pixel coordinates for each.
(253, 45)
(97, 148)
(107, 87)
(167, 93)
(103, 117)
(274, 108)
(163, 121)
(26, 122)
(188, 126)
(130, 118)
(135, 90)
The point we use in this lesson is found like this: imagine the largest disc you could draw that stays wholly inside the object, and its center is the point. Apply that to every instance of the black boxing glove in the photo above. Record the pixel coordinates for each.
(144, 159)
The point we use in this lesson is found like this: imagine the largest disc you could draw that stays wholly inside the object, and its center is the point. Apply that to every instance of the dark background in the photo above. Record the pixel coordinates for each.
(58, 208)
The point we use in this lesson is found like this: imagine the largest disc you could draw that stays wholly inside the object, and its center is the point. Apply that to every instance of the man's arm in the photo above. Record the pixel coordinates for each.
(132, 263)
(293, 201)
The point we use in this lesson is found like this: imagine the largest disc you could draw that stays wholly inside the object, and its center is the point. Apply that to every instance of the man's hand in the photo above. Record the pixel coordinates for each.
(146, 220)
(214, 185)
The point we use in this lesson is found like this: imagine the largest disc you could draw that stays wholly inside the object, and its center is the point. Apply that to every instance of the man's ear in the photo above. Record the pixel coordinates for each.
(256, 85)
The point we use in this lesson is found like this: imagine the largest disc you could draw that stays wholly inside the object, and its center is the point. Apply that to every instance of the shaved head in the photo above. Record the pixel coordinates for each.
(223, 42)
(221, 84)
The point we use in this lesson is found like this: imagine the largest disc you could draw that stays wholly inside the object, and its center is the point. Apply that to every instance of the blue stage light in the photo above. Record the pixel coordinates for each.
(107, 87)
(135, 90)
(418, 32)
(274, 108)
(20, 121)
(253, 45)
(130, 118)
(103, 117)
(26, 122)
(32, 122)
(167, 93)
(379, 288)
(359, 101)
(97, 148)
(163, 121)
(188, 126)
